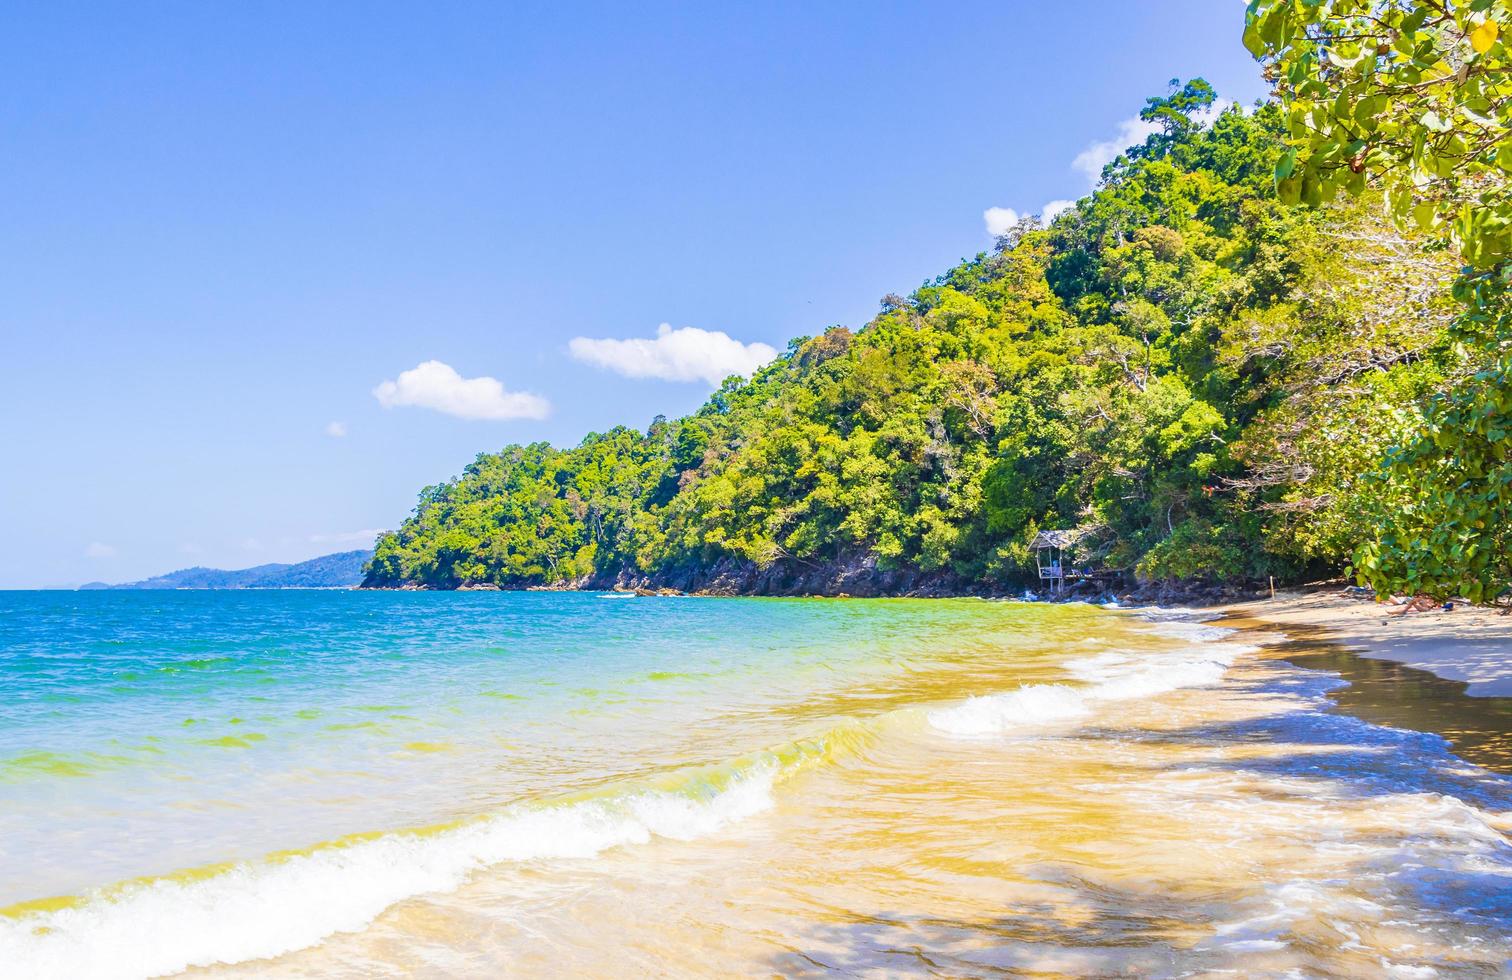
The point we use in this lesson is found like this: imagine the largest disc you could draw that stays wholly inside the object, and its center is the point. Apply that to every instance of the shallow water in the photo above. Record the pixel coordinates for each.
(1479, 729)
(531, 783)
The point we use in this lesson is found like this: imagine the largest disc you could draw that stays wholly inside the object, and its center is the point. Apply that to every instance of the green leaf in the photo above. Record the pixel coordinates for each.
(1367, 109)
(1312, 189)
(1286, 164)
(1253, 43)
(1290, 190)
(1272, 26)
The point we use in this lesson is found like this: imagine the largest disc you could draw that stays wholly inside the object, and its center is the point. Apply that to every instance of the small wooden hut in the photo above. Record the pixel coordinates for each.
(1054, 552)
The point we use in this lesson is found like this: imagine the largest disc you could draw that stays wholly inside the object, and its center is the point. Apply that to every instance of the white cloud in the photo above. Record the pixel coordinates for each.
(366, 537)
(438, 386)
(336, 430)
(1054, 209)
(1091, 161)
(189, 548)
(684, 354)
(251, 544)
(98, 549)
(1000, 221)
(1206, 117)
(1132, 132)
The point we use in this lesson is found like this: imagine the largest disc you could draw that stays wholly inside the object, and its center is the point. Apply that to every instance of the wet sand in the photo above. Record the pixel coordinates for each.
(1469, 644)
(1447, 673)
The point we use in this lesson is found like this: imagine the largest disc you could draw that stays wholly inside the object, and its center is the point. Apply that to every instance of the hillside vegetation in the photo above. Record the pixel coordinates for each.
(1410, 102)
(1199, 376)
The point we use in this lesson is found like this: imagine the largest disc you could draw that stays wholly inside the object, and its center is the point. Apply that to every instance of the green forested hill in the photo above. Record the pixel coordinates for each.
(1194, 373)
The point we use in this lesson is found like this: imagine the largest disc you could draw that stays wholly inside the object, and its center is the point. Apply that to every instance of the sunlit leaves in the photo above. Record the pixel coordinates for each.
(1416, 95)
(1483, 36)
(1410, 94)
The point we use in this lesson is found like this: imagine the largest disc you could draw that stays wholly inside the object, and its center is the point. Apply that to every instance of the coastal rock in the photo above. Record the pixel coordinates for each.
(860, 576)
(857, 576)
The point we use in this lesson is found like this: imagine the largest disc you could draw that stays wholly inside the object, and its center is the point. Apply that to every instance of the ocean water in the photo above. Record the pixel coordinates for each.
(373, 784)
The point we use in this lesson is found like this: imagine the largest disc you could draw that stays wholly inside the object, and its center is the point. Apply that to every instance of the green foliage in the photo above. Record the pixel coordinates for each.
(528, 515)
(1411, 93)
(1137, 368)
(1445, 516)
(1360, 341)
(1197, 550)
(1415, 97)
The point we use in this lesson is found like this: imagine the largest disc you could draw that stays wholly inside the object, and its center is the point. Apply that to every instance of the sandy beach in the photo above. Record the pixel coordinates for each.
(1468, 644)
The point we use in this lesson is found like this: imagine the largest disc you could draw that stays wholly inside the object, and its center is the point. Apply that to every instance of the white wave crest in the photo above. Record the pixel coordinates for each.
(257, 910)
(1029, 705)
(1117, 676)
(1191, 632)
(1111, 676)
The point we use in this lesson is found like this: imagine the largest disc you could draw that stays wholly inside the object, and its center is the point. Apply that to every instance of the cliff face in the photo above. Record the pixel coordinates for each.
(855, 576)
(859, 577)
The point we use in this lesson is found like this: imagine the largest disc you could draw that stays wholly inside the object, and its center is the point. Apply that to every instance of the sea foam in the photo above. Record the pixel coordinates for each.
(255, 910)
(1112, 676)
(1030, 704)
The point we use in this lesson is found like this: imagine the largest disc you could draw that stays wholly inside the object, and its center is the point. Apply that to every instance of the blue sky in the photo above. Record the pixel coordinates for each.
(235, 237)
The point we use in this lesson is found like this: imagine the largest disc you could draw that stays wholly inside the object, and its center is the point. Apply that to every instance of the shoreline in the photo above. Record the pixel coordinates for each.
(1470, 645)
(1164, 594)
(1024, 708)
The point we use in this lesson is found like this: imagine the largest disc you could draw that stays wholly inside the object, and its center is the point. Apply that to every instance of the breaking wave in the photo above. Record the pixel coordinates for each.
(1114, 676)
(258, 909)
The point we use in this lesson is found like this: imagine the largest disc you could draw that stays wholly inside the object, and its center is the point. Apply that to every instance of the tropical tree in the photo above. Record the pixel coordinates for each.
(1415, 97)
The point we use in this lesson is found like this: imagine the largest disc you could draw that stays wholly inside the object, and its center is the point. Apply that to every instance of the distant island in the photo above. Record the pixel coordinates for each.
(339, 571)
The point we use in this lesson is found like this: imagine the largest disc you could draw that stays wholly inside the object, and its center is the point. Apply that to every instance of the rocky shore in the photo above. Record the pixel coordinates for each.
(860, 577)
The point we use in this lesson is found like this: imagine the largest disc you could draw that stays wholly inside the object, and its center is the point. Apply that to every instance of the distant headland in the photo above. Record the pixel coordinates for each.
(342, 570)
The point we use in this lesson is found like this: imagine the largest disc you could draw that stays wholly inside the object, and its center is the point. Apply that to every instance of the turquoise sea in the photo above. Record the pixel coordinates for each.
(368, 783)
(216, 725)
